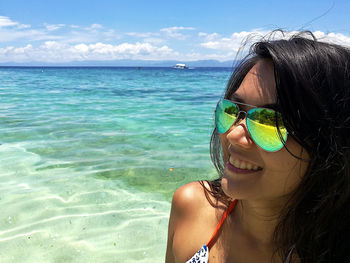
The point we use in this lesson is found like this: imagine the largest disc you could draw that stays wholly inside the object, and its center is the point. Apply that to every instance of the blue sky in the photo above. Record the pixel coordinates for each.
(76, 30)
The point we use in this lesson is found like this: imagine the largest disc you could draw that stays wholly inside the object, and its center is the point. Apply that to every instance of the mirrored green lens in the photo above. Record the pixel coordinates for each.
(261, 124)
(225, 115)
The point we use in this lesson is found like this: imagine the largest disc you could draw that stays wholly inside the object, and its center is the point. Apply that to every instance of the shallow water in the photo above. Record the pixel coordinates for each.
(90, 158)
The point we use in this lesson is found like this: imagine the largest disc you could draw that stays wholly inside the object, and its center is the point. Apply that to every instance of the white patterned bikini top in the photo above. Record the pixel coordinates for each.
(202, 256)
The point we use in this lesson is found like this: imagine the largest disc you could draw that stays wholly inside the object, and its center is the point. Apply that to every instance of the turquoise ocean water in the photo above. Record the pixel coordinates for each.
(90, 158)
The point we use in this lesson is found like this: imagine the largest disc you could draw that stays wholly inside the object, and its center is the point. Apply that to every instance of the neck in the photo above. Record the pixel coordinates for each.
(257, 221)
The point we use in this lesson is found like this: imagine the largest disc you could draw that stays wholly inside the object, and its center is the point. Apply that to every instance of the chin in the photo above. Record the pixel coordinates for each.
(239, 189)
(225, 188)
(230, 189)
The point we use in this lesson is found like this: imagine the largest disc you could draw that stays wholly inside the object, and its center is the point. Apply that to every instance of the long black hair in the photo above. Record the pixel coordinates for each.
(313, 95)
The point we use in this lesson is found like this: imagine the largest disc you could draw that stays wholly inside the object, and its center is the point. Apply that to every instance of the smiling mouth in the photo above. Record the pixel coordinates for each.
(242, 166)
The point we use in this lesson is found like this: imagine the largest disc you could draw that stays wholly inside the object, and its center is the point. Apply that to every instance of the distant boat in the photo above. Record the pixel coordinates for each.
(180, 66)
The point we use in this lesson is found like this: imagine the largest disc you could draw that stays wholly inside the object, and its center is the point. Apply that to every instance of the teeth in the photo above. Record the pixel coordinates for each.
(243, 165)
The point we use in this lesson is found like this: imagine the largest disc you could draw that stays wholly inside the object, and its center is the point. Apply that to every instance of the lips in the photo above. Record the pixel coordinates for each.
(242, 166)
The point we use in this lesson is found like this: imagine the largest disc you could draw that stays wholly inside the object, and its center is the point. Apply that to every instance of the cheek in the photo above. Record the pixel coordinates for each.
(296, 157)
(285, 171)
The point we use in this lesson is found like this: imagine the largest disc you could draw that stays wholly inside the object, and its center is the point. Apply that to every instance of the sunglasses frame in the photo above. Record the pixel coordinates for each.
(245, 114)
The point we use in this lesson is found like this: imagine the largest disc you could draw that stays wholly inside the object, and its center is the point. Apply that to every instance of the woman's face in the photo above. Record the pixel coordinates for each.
(250, 172)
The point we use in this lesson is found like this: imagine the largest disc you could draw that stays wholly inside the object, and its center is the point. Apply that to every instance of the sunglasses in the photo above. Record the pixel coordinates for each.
(265, 126)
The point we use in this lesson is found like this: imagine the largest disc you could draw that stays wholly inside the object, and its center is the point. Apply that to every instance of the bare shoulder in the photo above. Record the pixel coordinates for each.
(192, 220)
(189, 198)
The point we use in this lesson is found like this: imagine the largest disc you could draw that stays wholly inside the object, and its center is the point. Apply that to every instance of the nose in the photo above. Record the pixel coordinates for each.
(238, 135)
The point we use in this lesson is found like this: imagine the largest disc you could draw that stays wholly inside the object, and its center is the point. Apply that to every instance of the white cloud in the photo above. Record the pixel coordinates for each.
(111, 35)
(192, 56)
(11, 31)
(52, 27)
(209, 37)
(52, 51)
(22, 43)
(174, 32)
(52, 45)
(6, 22)
(7, 35)
(22, 50)
(148, 37)
(177, 28)
(23, 26)
(335, 38)
(142, 34)
(230, 43)
(51, 32)
(154, 40)
(225, 48)
(235, 41)
(20, 53)
(81, 48)
(94, 27)
(85, 36)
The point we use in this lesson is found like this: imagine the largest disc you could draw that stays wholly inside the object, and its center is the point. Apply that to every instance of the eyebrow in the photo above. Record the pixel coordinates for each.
(237, 98)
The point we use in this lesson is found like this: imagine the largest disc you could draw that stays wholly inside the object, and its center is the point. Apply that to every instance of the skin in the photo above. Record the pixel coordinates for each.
(247, 232)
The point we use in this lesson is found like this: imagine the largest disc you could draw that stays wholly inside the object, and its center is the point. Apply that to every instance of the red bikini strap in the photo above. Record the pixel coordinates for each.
(226, 213)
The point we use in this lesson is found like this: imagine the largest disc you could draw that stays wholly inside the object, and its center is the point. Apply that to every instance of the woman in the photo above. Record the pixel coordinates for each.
(281, 147)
